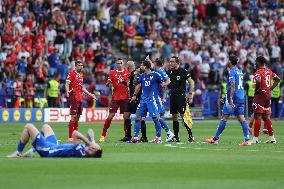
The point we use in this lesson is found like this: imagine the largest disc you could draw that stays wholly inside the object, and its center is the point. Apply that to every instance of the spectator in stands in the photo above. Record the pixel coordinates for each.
(22, 65)
(199, 88)
(247, 28)
(130, 33)
(53, 92)
(18, 92)
(29, 91)
(53, 61)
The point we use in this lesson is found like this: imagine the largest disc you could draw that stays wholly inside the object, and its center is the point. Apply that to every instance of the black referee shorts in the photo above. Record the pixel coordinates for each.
(177, 103)
(132, 106)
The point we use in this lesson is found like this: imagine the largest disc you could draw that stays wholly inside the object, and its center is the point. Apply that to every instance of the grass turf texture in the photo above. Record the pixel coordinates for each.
(123, 165)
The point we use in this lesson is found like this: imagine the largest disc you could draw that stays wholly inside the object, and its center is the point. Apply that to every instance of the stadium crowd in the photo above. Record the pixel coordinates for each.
(41, 39)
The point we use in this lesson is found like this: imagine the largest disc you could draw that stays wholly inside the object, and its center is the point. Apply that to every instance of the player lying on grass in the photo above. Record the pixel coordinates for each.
(45, 143)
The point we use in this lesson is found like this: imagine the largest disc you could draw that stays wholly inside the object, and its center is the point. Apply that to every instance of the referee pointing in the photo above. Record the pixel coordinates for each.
(178, 77)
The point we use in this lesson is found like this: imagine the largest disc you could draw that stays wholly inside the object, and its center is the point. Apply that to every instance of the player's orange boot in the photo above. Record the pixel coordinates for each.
(102, 139)
(211, 141)
(157, 140)
(245, 143)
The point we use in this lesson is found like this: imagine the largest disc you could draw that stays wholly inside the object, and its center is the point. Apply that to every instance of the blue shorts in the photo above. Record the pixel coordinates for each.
(40, 142)
(237, 110)
(161, 108)
(150, 105)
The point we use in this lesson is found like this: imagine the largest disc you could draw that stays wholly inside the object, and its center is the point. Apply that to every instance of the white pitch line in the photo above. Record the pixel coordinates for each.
(214, 149)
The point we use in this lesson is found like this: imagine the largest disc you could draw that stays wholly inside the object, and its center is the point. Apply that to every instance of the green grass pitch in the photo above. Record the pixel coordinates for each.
(149, 166)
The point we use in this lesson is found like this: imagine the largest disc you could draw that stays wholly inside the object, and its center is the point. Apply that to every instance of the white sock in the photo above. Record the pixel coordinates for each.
(271, 138)
(169, 132)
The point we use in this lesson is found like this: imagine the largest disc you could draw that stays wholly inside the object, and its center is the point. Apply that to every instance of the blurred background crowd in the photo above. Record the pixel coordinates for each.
(40, 40)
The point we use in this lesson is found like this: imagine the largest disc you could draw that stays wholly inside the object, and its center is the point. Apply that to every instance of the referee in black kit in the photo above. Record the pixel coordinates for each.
(178, 77)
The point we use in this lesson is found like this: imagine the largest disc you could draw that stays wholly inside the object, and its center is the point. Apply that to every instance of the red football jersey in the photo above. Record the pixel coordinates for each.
(76, 84)
(266, 76)
(120, 90)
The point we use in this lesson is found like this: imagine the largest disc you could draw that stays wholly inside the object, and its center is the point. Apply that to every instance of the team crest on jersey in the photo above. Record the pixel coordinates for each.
(178, 77)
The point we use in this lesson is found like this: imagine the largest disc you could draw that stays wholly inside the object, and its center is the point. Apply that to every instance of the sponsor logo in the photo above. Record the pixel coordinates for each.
(17, 115)
(28, 115)
(38, 115)
(101, 114)
(5, 115)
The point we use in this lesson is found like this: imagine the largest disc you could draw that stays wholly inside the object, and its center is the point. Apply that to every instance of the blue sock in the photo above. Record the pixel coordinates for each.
(164, 125)
(220, 129)
(245, 130)
(158, 127)
(21, 146)
(137, 127)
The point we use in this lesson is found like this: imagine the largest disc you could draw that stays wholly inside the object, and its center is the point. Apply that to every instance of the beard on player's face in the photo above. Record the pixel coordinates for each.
(79, 68)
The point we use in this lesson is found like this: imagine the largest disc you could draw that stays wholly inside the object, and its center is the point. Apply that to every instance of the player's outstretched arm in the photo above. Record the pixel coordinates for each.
(276, 80)
(67, 88)
(90, 94)
(232, 92)
(148, 59)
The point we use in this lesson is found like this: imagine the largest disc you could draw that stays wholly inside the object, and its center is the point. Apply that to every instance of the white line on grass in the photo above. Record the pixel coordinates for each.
(214, 149)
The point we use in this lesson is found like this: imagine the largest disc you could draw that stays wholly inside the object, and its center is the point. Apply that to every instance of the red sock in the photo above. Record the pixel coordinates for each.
(250, 124)
(265, 124)
(106, 126)
(257, 125)
(268, 125)
(76, 126)
(71, 127)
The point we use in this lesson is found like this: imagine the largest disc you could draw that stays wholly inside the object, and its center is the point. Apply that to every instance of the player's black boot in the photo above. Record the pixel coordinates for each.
(127, 129)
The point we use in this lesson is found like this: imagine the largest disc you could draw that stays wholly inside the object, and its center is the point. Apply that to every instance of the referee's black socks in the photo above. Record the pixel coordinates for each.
(143, 129)
(176, 129)
(128, 128)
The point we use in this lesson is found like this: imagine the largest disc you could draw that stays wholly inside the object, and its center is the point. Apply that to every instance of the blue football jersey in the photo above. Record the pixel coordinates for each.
(236, 76)
(63, 150)
(150, 83)
(165, 77)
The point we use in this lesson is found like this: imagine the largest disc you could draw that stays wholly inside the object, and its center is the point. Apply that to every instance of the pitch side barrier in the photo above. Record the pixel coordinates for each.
(22, 115)
(62, 115)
